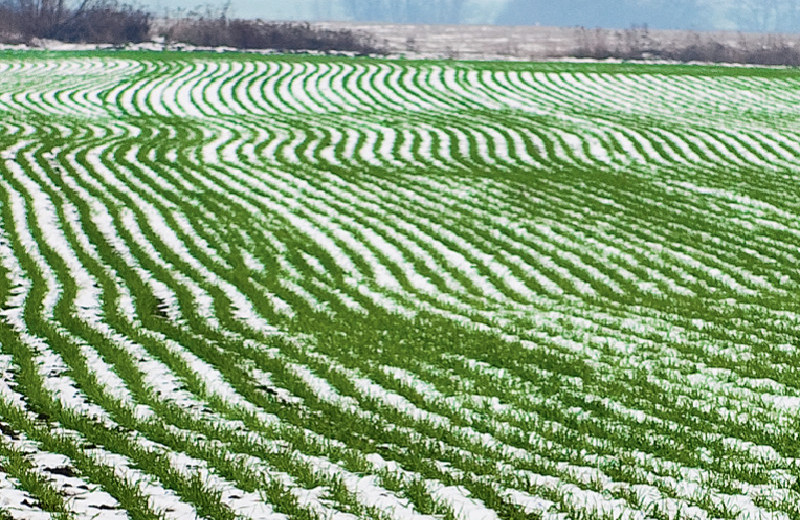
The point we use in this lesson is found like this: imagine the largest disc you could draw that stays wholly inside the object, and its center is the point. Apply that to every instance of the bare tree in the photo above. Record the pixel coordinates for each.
(94, 21)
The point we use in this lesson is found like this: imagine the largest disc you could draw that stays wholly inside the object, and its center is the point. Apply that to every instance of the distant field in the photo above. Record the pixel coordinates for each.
(324, 288)
(535, 43)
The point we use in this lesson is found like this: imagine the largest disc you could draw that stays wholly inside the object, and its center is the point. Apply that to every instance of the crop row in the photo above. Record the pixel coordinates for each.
(327, 288)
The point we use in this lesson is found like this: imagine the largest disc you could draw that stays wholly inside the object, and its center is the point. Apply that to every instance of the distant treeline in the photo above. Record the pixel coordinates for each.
(89, 21)
(743, 15)
(116, 22)
(213, 28)
(636, 43)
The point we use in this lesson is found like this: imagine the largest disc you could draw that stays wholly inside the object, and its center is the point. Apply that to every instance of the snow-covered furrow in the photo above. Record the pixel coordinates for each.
(752, 400)
(87, 298)
(18, 207)
(243, 308)
(370, 205)
(301, 75)
(87, 79)
(435, 208)
(88, 500)
(53, 369)
(84, 499)
(362, 487)
(380, 244)
(341, 236)
(16, 503)
(206, 371)
(189, 96)
(219, 88)
(161, 99)
(162, 501)
(51, 366)
(545, 263)
(655, 464)
(456, 499)
(406, 407)
(626, 232)
(158, 377)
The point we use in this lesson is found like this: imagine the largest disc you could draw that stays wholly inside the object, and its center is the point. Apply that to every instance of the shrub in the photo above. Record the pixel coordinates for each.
(256, 34)
(105, 21)
(636, 44)
(91, 21)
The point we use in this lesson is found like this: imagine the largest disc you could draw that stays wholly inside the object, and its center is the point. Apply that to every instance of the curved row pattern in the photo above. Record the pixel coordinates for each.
(258, 287)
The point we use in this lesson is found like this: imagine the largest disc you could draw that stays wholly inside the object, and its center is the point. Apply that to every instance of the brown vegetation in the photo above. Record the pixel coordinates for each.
(113, 22)
(91, 21)
(636, 43)
(256, 34)
(534, 43)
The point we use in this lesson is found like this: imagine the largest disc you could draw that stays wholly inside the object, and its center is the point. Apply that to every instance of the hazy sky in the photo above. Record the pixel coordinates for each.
(475, 11)
(746, 15)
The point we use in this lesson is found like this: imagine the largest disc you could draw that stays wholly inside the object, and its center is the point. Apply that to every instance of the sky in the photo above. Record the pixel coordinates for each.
(745, 15)
(478, 11)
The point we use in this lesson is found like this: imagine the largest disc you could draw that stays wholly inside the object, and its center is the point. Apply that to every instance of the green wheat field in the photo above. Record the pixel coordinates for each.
(246, 287)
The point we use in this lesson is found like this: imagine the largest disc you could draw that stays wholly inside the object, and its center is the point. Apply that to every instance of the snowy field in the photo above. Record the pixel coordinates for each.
(248, 287)
(538, 43)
